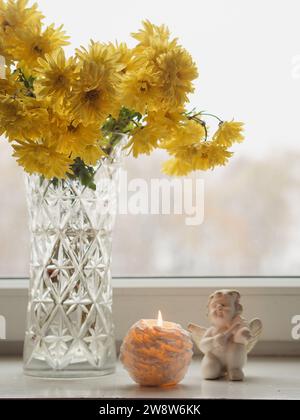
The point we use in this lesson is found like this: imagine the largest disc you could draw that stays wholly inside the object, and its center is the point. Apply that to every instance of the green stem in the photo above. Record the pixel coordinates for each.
(199, 121)
(211, 115)
(28, 83)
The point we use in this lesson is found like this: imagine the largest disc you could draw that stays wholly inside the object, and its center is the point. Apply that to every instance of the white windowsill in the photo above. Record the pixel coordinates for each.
(266, 378)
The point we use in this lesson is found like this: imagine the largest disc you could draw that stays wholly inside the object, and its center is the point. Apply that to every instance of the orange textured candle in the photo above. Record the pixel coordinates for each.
(156, 352)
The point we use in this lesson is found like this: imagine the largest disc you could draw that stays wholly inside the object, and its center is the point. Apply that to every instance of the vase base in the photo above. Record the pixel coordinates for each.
(68, 374)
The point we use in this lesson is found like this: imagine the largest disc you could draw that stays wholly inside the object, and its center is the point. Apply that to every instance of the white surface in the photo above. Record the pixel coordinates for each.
(266, 378)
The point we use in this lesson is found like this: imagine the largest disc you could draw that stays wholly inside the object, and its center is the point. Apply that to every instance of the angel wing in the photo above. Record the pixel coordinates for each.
(197, 333)
(255, 326)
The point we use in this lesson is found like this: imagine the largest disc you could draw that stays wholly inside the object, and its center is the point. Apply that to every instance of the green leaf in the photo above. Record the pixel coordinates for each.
(84, 173)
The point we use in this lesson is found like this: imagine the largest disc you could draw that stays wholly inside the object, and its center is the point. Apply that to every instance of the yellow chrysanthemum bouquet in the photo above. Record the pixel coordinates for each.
(62, 115)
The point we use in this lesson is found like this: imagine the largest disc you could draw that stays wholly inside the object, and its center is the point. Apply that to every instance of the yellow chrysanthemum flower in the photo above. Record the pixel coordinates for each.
(10, 85)
(123, 56)
(210, 155)
(15, 16)
(35, 44)
(157, 127)
(153, 40)
(150, 33)
(95, 93)
(91, 154)
(56, 75)
(176, 167)
(191, 151)
(188, 133)
(229, 132)
(59, 119)
(162, 72)
(105, 56)
(22, 119)
(167, 122)
(75, 138)
(204, 156)
(93, 96)
(5, 52)
(176, 71)
(139, 91)
(143, 140)
(42, 159)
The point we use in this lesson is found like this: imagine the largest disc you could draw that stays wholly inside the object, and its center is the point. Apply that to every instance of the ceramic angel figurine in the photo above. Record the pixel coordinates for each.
(226, 343)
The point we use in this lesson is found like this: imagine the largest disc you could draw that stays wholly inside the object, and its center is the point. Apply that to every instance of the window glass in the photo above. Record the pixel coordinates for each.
(249, 65)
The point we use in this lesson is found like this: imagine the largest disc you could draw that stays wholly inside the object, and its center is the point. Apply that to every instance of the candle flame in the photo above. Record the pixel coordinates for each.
(159, 320)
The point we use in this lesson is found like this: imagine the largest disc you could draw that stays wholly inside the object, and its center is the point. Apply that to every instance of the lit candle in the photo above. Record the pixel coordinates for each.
(156, 352)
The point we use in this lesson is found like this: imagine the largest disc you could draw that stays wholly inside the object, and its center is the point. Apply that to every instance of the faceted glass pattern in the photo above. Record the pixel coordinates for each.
(70, 329)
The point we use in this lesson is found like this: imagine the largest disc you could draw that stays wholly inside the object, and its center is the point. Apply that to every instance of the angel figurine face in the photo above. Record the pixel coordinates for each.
(230, 337)
(223, 307)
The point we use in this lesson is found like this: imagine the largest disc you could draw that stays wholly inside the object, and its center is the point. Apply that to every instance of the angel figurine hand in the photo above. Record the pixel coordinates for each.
(229, 339)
